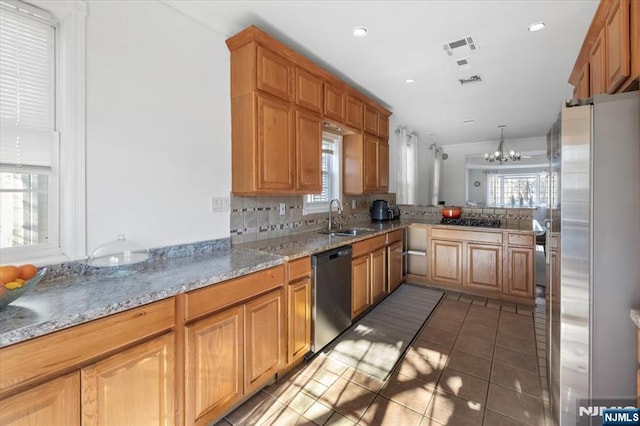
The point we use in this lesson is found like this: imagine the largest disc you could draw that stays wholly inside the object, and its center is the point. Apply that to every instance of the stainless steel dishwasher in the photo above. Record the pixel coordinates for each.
(331, 295)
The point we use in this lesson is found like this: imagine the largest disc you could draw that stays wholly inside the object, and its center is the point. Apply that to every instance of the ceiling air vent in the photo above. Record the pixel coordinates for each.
(464, 44)
(473, 79)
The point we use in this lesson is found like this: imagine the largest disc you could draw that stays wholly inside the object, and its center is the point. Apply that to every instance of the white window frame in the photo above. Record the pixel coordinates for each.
(309, 207)
(70, 170)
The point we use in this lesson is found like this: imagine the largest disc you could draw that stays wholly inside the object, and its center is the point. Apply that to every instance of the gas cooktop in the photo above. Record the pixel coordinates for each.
(463, 221)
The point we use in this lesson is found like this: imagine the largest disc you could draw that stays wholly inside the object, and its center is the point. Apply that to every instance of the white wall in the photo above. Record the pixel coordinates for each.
(158, 125)
(454, 168)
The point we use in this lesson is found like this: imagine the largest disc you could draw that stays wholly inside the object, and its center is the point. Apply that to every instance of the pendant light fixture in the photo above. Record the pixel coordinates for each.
(502, 154)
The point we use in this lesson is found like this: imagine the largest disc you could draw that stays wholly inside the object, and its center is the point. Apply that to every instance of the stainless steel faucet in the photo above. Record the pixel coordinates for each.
(339, 211)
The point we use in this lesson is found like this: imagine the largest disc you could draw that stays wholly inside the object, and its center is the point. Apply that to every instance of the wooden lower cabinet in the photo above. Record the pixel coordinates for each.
(232, 353)
(483, 266)
(520, 270)
(264, 339)
(394, 270)
(299, 319)
(56, 402)
(135, 386)
(214, 365)
(378, 275)
(446, 261)
(360, 288)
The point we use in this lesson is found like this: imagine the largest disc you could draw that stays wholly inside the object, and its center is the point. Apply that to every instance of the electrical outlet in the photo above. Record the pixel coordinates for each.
(283, 209)
(219, 204)
(353, 204)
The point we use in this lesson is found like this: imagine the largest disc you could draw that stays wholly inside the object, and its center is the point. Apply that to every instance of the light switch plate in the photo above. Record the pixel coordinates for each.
(353, 204)
(219, 204)
(283, 209)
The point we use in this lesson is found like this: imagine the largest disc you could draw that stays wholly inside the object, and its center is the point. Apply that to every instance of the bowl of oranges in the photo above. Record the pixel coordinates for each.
(17, 280)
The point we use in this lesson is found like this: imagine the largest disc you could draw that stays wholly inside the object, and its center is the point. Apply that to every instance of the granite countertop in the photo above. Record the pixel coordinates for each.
(635, 317)
(60, 302)
(63, 302)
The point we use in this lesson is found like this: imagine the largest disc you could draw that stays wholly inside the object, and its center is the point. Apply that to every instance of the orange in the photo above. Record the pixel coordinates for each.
(28, 271)
(3, 291)
(8, 273)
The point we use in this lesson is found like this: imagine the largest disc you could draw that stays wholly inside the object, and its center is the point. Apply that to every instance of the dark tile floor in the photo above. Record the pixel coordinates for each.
(476, 362)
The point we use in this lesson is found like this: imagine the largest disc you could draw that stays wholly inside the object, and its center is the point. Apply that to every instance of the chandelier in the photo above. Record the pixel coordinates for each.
(502, 154)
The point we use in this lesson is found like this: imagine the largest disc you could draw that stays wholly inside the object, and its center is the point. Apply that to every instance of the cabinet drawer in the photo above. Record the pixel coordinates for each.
(75, 346)
(299, 268)
(367, 246)
(521, 240)
(394, 236)
(217, 296)
(456, 234)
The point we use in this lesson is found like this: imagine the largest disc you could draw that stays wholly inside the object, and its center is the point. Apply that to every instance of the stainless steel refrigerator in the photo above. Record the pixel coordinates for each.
(594, 279)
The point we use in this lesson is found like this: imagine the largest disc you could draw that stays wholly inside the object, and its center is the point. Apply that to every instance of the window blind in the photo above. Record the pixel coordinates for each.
(27, 96)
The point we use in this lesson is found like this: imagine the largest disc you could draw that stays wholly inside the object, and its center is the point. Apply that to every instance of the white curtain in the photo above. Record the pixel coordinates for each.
(407, 167)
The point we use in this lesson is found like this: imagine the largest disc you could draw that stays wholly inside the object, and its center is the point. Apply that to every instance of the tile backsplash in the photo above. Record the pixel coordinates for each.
(255, 218)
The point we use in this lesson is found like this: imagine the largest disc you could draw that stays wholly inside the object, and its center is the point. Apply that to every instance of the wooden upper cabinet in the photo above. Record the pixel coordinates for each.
(309, 90)
(383, 166)
(334, 103)
(616, 29)
(597, 77)
(274, 73)
(582, 90)
(370, 163)
(308, 152)
(275, 145)
(383, 126)
(370, 120)
(354, 112)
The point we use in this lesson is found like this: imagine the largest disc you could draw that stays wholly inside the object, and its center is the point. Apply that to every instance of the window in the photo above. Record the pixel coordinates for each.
(527, 190)
(42, 116)
(319, 203)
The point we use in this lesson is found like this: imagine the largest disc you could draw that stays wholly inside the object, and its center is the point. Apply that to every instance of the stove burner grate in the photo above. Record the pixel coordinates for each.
(484, 223)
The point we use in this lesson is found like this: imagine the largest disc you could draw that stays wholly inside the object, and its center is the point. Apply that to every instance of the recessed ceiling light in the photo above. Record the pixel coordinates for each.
(409, 80)
(536, 26)
(360, 31)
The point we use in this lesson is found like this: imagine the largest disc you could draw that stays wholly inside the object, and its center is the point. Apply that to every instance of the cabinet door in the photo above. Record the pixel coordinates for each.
(333, 103)
(618, 57)
(484, 266)
(309, 152)
(274, 73)
(383, 166)
(378, 275)
(276, 152)
(446, 261)
(370, 120)
(299, 329)
(370, 163)
(597, 65)
(520, 269)
(582, 88)
(354, 112)
(360, 288)
(264, 337)
(214, 365)
(394, 260)
(309, 90)
(56, 402)
(383, 126)
(135, 386)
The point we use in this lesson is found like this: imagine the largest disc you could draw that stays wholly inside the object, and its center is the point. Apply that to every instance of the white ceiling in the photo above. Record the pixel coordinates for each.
(524, 74)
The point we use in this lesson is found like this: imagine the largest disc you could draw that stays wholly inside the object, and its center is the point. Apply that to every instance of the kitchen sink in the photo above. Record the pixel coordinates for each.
(347, 232)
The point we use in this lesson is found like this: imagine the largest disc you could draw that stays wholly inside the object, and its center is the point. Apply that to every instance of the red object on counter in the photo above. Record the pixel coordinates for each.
(451, 212)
